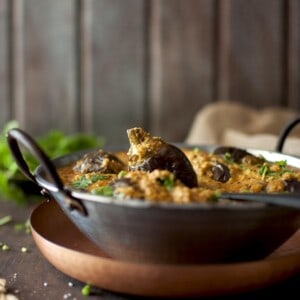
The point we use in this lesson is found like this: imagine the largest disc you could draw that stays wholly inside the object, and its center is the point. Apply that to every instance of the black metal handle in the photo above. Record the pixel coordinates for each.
(285, 132)
(17, 136)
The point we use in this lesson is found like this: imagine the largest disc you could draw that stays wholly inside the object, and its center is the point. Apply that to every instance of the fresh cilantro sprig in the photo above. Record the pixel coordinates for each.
(4, 220)
(54, 143)
(106, 190)
(264, 170)
(168, 182)
(84, 181)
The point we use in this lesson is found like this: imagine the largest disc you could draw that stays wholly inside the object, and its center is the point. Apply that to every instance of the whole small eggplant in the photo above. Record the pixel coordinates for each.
(221, 172)
(237, 155)
(292, 186)
(148, 153)
(99, 161)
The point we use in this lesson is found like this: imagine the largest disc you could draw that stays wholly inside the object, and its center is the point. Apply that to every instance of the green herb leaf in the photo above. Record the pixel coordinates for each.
(215, 197)
(5, 220)
(286, 170)
(84, 181)
(167, 182)
(122, 174)
(103, 191)
(86, 290)
(55, 143)
(18, 227)
(281, 163)
(228, 158)
(5, 247)
(263, 171)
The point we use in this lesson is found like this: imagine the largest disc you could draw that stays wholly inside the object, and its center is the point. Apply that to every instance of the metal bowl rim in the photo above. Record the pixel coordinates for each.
(144, 204)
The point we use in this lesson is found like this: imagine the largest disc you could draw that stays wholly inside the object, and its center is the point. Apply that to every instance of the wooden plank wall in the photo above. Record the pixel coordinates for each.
(101, 66)
(5, 109)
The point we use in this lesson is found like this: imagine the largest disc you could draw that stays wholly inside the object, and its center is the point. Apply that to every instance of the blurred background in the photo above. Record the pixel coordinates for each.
(102, 66)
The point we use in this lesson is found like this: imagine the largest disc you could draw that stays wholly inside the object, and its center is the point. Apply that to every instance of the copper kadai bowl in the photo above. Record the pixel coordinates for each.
(142, 231)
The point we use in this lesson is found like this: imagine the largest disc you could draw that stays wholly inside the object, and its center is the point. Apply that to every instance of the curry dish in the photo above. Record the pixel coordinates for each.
(154, 170)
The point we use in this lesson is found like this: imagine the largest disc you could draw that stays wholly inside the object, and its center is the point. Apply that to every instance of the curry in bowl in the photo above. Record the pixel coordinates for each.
(156, 171)
(161, 203)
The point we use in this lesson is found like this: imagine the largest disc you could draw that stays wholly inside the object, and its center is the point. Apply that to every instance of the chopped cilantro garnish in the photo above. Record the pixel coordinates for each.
(167, 182)
(5, 247)
(86, 290)
(263, 171)
(55, 143)
(18, 227)
(5, 220)
(283, 166)
(281, 163)
(84, 181)
(228, 158)
(215, 197)
(27, 226)
(121, 174)
(285, 170)
(103, 191)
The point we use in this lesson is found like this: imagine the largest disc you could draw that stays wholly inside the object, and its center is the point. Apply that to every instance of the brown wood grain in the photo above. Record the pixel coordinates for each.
(182, 64)
(251, 51)
(293, 54)
(118, 66)
(85, 65)
(46, 44)
(17, 61)
(4, 63)
(30, 276)
(103, 66)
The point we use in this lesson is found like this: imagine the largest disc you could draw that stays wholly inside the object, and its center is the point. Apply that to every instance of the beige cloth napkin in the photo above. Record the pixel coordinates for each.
(234, 124)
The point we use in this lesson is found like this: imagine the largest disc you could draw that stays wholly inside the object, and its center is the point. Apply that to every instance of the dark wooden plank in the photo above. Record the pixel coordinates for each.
(45, 80)
(29, 275)
(85, 66)
(182, 64)
(118, 64)
(293, 62)
(17, 61)
(251, 51)
(4, 63)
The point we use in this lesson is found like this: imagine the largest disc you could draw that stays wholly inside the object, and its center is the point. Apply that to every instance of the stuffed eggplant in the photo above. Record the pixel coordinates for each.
(157, 171)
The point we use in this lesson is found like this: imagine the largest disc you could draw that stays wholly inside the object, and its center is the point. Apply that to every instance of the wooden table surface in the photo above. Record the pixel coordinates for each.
(30, 276)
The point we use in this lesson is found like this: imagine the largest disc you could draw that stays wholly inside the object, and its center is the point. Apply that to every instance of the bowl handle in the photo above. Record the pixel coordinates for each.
(285, 132)
(17, 136)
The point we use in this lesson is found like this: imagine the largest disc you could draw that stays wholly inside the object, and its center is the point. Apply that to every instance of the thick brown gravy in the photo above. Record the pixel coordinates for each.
(249, 175)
